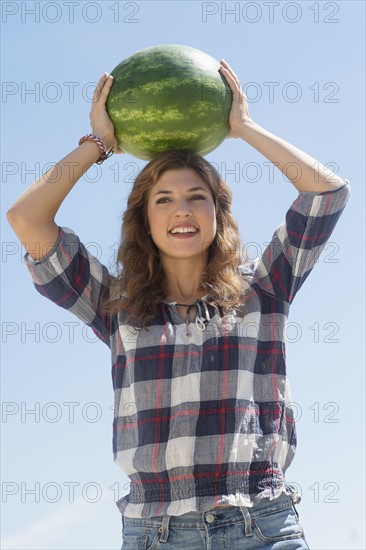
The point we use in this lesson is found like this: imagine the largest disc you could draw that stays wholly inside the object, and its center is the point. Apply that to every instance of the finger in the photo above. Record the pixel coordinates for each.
(99, 87)
(230, 71)
(227, 66)
(100, 84)
(234, 85)
(106, 89)
(231, 77)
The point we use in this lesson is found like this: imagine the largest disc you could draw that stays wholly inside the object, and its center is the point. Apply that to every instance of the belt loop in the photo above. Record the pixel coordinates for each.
(164, 529)
(247, 521)
(294, 493)
(123, 523)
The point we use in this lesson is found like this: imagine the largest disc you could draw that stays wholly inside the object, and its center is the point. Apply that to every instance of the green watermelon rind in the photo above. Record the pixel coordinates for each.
(137, 100)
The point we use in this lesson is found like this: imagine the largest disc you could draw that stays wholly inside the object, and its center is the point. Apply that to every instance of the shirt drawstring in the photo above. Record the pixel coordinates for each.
(200, 320)
(188, 330)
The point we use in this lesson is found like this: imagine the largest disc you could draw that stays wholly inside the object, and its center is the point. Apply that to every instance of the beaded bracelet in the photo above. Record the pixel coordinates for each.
(102, 148)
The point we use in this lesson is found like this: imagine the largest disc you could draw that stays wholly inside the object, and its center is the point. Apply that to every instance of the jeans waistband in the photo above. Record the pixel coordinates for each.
(215, 516)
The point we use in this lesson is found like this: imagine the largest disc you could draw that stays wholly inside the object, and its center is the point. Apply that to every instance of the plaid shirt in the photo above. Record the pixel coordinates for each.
(202, 408)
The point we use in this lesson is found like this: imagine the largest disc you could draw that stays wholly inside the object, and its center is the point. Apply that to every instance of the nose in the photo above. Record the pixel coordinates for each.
(184, 209)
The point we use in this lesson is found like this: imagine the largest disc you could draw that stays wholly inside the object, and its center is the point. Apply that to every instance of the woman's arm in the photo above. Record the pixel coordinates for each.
(304, 172)
(32, 215)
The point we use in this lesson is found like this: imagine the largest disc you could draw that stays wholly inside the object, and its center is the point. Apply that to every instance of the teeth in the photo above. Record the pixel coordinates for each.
(184, 230)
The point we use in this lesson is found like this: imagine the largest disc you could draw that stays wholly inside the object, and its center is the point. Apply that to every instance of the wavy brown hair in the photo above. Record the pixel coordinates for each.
(140, 283)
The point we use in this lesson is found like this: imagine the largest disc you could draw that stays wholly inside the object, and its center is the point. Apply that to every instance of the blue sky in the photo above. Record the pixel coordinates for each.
(57, 463)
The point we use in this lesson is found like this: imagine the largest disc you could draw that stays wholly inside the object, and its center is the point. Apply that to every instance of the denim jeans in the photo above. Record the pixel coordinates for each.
(270, 524)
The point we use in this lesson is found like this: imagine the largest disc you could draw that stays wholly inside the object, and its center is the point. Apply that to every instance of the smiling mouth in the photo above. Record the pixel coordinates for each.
(183, 229)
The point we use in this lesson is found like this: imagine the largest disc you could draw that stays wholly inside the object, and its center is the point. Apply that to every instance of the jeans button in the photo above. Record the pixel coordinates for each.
(210, 518)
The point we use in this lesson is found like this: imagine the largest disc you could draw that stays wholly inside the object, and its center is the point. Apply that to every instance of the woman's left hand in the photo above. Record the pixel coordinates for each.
(239, 114)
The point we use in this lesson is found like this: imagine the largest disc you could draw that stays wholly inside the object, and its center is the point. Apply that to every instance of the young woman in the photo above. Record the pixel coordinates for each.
(203, 421)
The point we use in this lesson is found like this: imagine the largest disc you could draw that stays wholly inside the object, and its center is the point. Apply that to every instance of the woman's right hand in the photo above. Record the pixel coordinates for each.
(101, 124)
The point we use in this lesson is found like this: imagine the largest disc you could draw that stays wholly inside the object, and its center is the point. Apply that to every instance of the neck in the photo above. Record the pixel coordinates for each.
(183, 279)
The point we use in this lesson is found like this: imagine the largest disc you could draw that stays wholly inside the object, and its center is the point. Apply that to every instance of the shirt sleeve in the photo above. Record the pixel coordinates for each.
(298, 242)
(74, 279)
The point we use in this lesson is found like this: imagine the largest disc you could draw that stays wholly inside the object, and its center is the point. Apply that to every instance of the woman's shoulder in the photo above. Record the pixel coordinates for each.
(247, 268)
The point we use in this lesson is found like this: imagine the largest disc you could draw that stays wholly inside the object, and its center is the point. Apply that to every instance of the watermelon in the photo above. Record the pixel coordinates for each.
(169, 97)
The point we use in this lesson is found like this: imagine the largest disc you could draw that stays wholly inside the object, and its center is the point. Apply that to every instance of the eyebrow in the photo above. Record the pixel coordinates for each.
(189, 191)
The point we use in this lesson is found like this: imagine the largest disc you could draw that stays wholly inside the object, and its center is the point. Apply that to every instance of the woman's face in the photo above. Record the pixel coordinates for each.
(181, 201)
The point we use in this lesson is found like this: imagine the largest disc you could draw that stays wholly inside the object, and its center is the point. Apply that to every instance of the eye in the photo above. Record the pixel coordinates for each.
(193, 197)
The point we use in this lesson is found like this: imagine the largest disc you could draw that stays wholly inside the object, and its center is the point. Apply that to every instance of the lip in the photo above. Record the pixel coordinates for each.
(183, 235)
